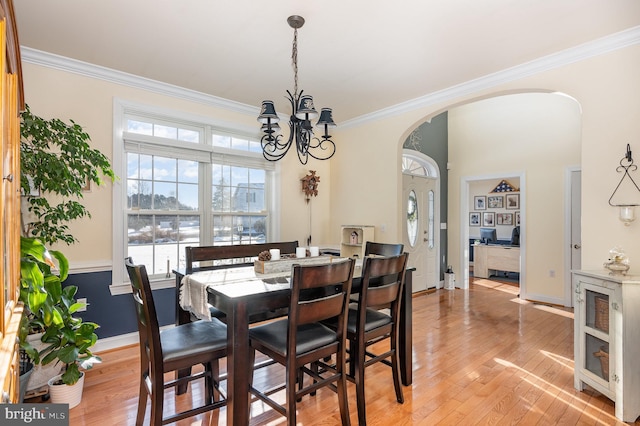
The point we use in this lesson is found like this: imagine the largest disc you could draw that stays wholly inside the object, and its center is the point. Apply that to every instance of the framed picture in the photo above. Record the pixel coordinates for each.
(480, 202)
(495, 201)
(87, 186)
(513, 201)
(517, 215)
(474, 219)
(488, 219)
(504, 218)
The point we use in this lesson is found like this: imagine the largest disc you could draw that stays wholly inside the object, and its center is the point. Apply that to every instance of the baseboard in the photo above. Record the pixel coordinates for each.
(559, 301)
(115, 342)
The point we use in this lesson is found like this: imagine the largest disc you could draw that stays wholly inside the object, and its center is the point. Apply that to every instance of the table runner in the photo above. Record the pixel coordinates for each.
(193, 287)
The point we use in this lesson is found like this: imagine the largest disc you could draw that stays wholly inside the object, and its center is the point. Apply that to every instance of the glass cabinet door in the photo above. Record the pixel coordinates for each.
(597, 302)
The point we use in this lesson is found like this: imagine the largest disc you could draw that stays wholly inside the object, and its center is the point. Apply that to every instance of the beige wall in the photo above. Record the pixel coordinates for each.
(537, 135)
(89, 102)
(362, 185)
(606, 89)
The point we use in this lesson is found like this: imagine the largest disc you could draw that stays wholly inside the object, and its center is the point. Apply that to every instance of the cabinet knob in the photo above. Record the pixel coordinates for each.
(576, 246)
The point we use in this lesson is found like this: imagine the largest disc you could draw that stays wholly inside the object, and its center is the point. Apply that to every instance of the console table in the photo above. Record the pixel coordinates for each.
(495, 257)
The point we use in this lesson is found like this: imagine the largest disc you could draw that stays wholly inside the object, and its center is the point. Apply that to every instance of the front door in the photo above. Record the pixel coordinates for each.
(419, 229)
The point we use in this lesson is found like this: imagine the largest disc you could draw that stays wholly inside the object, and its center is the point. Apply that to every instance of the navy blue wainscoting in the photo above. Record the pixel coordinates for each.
(116, 314)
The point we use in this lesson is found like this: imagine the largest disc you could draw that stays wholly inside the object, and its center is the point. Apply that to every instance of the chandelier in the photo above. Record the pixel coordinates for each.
(274, 147)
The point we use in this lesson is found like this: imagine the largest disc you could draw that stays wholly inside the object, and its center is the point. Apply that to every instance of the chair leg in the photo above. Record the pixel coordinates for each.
(356, 364)
(343, 403)
(209, 387)
(291, 398)
(215, 380)
(300, 381)
(314, 368)
(395, 366)
(157, 398)
(182, 387)
(142, 402)
(252, 363)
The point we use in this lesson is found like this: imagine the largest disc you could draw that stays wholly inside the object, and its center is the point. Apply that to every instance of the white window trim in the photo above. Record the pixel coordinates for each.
(119, 279)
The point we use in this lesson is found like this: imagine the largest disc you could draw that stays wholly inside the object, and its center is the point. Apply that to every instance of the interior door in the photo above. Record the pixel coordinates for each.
(419, 230)
(576, 238)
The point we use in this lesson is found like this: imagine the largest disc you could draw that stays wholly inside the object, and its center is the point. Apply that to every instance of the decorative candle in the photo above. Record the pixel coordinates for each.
(627, 214)
(275, 254)
(315, 251)
(301, 252)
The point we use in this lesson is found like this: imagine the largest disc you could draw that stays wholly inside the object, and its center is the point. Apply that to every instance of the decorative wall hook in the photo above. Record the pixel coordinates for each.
(627, 210)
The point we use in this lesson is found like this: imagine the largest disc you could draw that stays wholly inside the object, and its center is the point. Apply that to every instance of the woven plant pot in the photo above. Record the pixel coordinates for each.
(66, 394)
(41, 373)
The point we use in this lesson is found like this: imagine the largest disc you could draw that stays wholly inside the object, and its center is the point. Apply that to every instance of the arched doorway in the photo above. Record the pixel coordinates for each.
(421, 200)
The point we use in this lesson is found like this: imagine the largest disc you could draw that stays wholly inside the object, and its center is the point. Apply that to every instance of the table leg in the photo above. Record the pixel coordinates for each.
(182, 317)
(238, 369)
(406, 333)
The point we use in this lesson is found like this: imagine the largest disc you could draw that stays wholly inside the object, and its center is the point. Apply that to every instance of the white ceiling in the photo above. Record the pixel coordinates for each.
(356, 56)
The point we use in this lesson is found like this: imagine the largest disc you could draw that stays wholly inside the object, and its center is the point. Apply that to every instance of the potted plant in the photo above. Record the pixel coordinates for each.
(50, 309)
(56, 159)
(57, 164)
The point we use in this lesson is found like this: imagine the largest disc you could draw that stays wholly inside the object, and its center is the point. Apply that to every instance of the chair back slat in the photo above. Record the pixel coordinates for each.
(319, 309)
(320, 292)
(237, 255)
(383, 249)
(382, 282)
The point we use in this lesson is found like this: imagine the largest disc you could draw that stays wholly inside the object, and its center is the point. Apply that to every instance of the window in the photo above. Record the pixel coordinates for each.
(185, 183)
(238, 205)
(412, 217)
(430, 219)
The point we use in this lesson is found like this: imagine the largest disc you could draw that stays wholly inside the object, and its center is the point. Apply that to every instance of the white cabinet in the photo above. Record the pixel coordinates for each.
(607, 338)
(354, 239)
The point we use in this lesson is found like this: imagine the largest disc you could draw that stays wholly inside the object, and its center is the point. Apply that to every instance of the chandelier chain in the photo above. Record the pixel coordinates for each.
(294, 61)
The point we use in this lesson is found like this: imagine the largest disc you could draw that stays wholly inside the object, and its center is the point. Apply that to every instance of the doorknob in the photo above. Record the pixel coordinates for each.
(576, 246)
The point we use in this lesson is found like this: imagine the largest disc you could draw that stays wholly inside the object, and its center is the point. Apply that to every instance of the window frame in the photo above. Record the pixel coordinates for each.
(206, 152)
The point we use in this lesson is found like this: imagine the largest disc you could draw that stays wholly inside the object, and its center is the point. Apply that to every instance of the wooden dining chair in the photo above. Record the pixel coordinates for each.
(183, 346)
(203, 258)
(318, 292)
(382, 285)
(383, 249)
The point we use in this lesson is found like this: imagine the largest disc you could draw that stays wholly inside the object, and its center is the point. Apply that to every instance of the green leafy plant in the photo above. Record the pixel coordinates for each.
(56, 159)
(50, 308)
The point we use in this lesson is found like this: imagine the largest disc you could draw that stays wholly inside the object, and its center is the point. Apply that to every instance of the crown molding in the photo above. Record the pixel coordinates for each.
(581, 52)
(578, 53)
(50, 60)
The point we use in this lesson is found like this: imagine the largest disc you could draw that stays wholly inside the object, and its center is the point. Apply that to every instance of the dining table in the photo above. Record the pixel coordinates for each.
(241, 293)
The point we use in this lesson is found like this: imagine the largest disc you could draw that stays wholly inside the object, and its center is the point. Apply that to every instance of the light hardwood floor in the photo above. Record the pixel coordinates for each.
(481, 356)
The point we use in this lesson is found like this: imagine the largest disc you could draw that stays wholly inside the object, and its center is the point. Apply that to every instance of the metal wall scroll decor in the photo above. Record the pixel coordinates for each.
(627, 209)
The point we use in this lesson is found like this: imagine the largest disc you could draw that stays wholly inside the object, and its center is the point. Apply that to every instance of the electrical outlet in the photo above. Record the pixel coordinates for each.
(84, 301)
